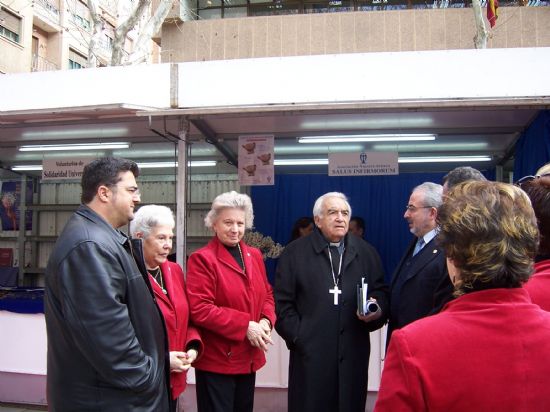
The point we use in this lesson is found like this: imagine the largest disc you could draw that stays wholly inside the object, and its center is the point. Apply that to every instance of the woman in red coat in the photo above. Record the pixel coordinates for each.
(231, 303)
(154, 224)
(488, 349)
(538, 190)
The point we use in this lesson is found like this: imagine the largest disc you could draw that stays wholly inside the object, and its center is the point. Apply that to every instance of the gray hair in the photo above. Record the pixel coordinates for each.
(318, 206)
(433, 193)
(231, 200)
(150, 216)
(462, 174)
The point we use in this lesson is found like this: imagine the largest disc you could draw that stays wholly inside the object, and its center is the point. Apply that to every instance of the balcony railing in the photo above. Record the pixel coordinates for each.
(40, 64)
(48, 9)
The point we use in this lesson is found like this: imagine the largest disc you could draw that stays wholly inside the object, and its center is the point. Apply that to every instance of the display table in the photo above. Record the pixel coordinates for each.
(23, 346)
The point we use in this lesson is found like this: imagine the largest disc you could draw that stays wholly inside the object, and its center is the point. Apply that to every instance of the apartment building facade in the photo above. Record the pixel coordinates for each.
(41, 35)
(37, 35)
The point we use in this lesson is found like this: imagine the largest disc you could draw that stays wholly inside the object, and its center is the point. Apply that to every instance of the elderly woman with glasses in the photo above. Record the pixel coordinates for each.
(155, 224)
(538, 190)
(232, 303)
(488, 349)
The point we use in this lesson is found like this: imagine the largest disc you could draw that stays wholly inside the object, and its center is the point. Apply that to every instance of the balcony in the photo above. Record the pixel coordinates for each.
(46, 15)
(40, 64)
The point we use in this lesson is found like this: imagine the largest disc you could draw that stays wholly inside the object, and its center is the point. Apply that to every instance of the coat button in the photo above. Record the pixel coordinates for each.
(341, 359)
(229, 353)
(342, 331)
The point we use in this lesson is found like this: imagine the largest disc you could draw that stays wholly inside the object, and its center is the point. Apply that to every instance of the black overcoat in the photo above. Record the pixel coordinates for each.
(329, 346)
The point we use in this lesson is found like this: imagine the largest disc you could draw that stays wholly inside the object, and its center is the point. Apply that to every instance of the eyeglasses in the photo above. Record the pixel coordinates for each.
(529, 178)
(412, 208)
(133, 190)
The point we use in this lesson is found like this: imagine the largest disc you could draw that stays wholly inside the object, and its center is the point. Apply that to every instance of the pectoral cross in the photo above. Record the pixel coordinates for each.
(335, 291)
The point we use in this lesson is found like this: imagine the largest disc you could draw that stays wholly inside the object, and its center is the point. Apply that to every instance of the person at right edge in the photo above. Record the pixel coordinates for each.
(538, 190)
(317, 312)
(488, 349)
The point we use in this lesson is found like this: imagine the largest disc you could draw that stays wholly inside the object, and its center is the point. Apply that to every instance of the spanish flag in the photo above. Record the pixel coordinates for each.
(492, 12)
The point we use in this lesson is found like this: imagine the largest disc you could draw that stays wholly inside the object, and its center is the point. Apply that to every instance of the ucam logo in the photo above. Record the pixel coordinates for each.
(363, 158)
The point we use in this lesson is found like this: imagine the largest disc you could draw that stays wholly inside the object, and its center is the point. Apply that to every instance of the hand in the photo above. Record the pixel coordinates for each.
(257, 336)
(371, 316)
(190, 357)
(176, 361)
(266, 326)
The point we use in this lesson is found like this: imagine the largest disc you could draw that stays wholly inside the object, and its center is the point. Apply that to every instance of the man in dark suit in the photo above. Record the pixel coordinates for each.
(423, 266)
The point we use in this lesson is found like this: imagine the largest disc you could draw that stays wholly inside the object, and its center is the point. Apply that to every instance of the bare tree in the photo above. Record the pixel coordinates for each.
(480, 39)
(141, 48)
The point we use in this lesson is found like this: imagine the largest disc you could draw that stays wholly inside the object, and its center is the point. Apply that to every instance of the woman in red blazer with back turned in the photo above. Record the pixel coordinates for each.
(155, 224)
(232, 303)
(488, 349)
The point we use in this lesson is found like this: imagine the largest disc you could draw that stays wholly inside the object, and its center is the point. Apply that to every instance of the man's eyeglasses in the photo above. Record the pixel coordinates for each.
(529, 178)
(412, 208)
(133, 190)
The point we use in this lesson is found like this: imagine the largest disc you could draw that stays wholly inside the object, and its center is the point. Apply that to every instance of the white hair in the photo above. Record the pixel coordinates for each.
(433, 194)
(150, 216)
(318, 206)
(231, 200)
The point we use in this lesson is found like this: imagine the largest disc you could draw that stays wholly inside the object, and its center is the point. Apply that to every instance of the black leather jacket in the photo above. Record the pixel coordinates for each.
(106, 337)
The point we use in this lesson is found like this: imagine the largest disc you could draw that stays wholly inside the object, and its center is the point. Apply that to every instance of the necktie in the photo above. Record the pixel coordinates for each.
(419, 246)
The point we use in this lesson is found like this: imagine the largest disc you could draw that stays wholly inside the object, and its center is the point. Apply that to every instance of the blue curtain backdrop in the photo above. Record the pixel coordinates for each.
(533, 147)
(380, 200)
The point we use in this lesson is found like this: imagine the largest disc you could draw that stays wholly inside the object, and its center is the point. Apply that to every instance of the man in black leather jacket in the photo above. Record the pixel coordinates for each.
(106, 337)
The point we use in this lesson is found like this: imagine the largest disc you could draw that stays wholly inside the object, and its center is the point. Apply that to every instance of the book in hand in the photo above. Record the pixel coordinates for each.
(364, 305)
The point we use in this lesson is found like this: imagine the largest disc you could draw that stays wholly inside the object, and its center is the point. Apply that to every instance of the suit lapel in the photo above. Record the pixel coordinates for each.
(425, 256)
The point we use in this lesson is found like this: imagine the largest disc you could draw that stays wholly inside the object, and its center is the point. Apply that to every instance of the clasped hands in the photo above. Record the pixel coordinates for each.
(259, 334)
(181, 361)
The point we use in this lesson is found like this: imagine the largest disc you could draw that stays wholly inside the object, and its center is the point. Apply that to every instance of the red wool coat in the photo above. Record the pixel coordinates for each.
(175, 310)
(486, 351)
(539, 285)
(222, 301)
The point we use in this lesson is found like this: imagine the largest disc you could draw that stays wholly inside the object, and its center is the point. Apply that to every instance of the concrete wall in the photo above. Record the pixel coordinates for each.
(354, 32)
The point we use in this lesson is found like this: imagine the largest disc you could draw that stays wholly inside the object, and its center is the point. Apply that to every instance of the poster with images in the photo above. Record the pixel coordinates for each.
(256, 155)
(10, 204)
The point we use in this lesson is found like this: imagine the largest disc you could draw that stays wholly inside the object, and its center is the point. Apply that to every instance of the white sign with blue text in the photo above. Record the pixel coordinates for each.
(363, 164)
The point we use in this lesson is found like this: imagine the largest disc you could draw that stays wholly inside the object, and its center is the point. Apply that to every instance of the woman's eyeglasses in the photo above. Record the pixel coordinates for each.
(526, 179)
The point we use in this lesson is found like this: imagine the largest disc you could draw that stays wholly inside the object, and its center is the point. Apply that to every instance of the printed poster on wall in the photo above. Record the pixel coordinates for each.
(256, 153)
(363, 164)
(10, 203)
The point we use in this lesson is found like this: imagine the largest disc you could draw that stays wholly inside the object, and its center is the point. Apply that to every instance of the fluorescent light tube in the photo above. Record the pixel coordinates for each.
(160, 165)
(368, 138)
(146, 165)
(421, 159)
(300, 162)
(75, 146)
(444, 159)
(22, 168)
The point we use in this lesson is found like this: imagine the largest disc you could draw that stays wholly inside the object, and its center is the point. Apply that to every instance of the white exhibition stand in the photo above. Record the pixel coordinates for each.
(23, 346)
